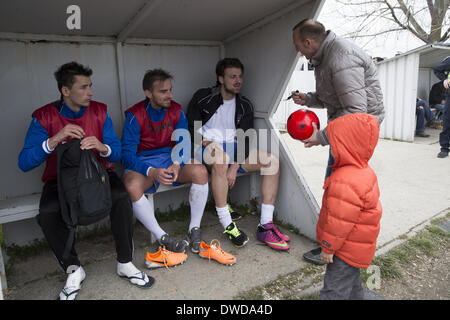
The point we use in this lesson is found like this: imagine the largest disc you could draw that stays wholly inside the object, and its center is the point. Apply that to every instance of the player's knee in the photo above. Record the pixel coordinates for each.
(270, 164)
(200, 175)
(219, 169)
(133, 188)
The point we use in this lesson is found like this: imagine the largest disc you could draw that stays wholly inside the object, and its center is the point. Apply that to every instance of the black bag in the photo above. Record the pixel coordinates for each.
(83, 188)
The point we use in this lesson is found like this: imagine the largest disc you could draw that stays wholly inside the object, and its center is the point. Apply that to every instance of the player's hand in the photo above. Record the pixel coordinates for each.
(299, 98)
(69, 131)
(446, 84)
(231, 175)
(92, 142)
(314, 139)
(174, 169)
(326, 257)
(162, 175)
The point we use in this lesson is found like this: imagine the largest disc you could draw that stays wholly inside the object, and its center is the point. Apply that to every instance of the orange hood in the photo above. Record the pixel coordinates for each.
(353, 138)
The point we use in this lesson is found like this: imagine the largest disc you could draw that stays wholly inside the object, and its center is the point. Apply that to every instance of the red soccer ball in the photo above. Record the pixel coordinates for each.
(299, 124)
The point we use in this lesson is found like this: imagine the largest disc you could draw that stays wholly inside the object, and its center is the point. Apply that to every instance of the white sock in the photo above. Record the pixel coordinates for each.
(198, 195)
(74, 279)
(128, 269)
(145, 213)
(73, 283)
(266, 213)
(224, 216)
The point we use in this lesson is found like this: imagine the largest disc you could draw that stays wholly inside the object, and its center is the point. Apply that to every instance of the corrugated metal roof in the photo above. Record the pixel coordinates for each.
(430, 54)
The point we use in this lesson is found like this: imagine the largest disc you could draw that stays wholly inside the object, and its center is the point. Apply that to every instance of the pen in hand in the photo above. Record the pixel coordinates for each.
(296, 91)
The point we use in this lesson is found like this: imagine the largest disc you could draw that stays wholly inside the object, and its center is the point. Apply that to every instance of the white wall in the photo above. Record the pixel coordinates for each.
(399, 79)
(27, 82)
(192, 67)
(303, 81)
(426, 81)
(269, 57)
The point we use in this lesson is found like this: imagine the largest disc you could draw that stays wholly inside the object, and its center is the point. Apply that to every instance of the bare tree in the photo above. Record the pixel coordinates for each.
(425, 19)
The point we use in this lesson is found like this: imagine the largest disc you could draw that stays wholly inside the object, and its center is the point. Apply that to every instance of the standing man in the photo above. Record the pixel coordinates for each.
(150, 157)
(346, 82)
(75, 115)
(441, 71)
(220, 111)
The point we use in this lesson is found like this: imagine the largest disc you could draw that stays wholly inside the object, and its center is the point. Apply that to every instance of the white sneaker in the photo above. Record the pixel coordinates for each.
(73, 285)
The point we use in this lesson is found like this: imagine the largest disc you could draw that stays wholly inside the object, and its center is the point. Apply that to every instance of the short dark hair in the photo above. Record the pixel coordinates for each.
(308, 28)
(65, 75)
(154, 75)
(227, 63)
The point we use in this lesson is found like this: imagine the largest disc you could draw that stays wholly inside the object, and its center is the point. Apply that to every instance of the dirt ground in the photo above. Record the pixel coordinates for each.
(418, 269)
(426, 278)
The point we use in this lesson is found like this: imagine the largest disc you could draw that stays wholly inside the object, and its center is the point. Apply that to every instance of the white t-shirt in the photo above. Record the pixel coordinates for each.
(221, 127)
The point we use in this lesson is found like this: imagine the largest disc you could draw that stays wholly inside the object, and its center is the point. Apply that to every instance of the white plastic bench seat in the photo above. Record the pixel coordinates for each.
(19, 208)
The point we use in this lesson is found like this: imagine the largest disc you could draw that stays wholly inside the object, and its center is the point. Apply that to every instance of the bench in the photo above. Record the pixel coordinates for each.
(26, 207)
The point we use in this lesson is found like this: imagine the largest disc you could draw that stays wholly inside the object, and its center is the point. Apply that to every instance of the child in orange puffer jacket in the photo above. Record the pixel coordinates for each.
(349, 220)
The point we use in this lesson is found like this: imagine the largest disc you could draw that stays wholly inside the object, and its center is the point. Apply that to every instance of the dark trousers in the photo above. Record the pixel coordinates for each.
(444, 136)
(424, 115)
(56, 231)
(342, 282)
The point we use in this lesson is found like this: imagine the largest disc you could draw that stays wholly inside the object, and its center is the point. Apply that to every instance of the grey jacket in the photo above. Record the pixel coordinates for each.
(346, 81)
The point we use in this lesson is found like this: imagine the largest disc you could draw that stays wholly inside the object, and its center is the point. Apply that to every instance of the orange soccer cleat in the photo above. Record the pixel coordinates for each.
(164, 258)
(214, 251)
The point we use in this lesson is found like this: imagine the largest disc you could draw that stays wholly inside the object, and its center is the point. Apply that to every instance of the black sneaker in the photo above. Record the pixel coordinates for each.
(173, 244)
(195, 238)
(238, 237)
(442, 154)
(313, 256)
(234, 215)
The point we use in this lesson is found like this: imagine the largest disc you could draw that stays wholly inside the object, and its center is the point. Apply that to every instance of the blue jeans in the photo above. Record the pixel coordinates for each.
(441, 108)
(422, 115)
(444, 136)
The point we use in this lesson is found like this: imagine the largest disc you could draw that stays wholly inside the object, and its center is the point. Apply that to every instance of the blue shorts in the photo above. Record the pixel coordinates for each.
(229, 147)
(162, 160)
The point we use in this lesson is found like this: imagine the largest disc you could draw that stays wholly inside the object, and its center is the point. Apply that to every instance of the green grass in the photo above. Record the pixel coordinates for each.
(391, 264)
(425, 242)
